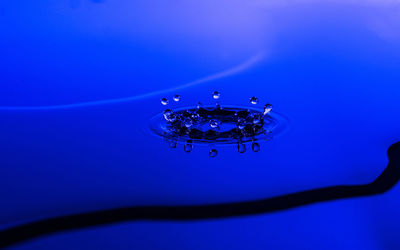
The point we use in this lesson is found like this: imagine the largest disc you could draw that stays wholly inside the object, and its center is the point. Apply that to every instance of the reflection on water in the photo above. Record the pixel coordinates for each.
(383, 183)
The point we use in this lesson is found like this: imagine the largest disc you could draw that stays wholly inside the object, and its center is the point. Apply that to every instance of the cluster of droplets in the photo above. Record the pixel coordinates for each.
(189, 119)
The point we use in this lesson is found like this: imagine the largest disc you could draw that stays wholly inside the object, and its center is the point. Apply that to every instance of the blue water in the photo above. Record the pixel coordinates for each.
(81, 79)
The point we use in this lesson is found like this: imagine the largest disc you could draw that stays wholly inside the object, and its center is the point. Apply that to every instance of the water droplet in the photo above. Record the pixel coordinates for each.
(216, 95)
(168, 112)
(188, 147)
(267, 109)
(241, 123)
(254, 100)
(256, 119)
(177, 98)
(172, 118)
(241, 148)
(195, 116)
(213, 152)
(173, 144)
(255, 146)
(169, 115)
(188, 122)
(164, 101)
(214, 123)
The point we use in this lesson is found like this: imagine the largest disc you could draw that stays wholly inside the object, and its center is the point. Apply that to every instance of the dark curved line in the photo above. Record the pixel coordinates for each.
(384, 182)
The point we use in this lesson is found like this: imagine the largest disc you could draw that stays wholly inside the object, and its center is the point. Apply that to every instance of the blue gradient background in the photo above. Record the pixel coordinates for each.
(80, 80)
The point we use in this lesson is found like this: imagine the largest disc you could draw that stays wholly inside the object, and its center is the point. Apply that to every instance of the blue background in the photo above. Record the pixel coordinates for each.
(79, 81)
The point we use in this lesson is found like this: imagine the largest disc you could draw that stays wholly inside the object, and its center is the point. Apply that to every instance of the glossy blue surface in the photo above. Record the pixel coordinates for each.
(81, 79)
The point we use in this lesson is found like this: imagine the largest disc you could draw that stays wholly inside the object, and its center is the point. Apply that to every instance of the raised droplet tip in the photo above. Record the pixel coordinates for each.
(267, 108)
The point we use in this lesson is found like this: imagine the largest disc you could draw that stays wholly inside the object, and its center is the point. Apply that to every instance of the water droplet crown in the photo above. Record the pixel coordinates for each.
(217, 125)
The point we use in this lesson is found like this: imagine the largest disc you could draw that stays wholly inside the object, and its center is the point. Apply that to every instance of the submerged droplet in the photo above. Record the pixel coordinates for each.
(188, 147)
(255, 147)
(214, 123)
(267, 109)
(164, 101)
(195, 116)
(172, 118)
(241, 123)
(254, 100)
(177, 98)
(213, 152)
(167, 112)
(216, 95)
(241, 148)
(188, 122)
(169, 115)
(256, 119)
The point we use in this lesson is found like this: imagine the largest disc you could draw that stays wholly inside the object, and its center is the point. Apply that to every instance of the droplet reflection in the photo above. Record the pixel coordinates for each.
(213, 152)
(255, 147)
(188, 147)
(241, 148)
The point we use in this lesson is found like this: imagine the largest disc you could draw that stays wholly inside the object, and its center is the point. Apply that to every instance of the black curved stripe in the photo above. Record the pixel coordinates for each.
(384, 182)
